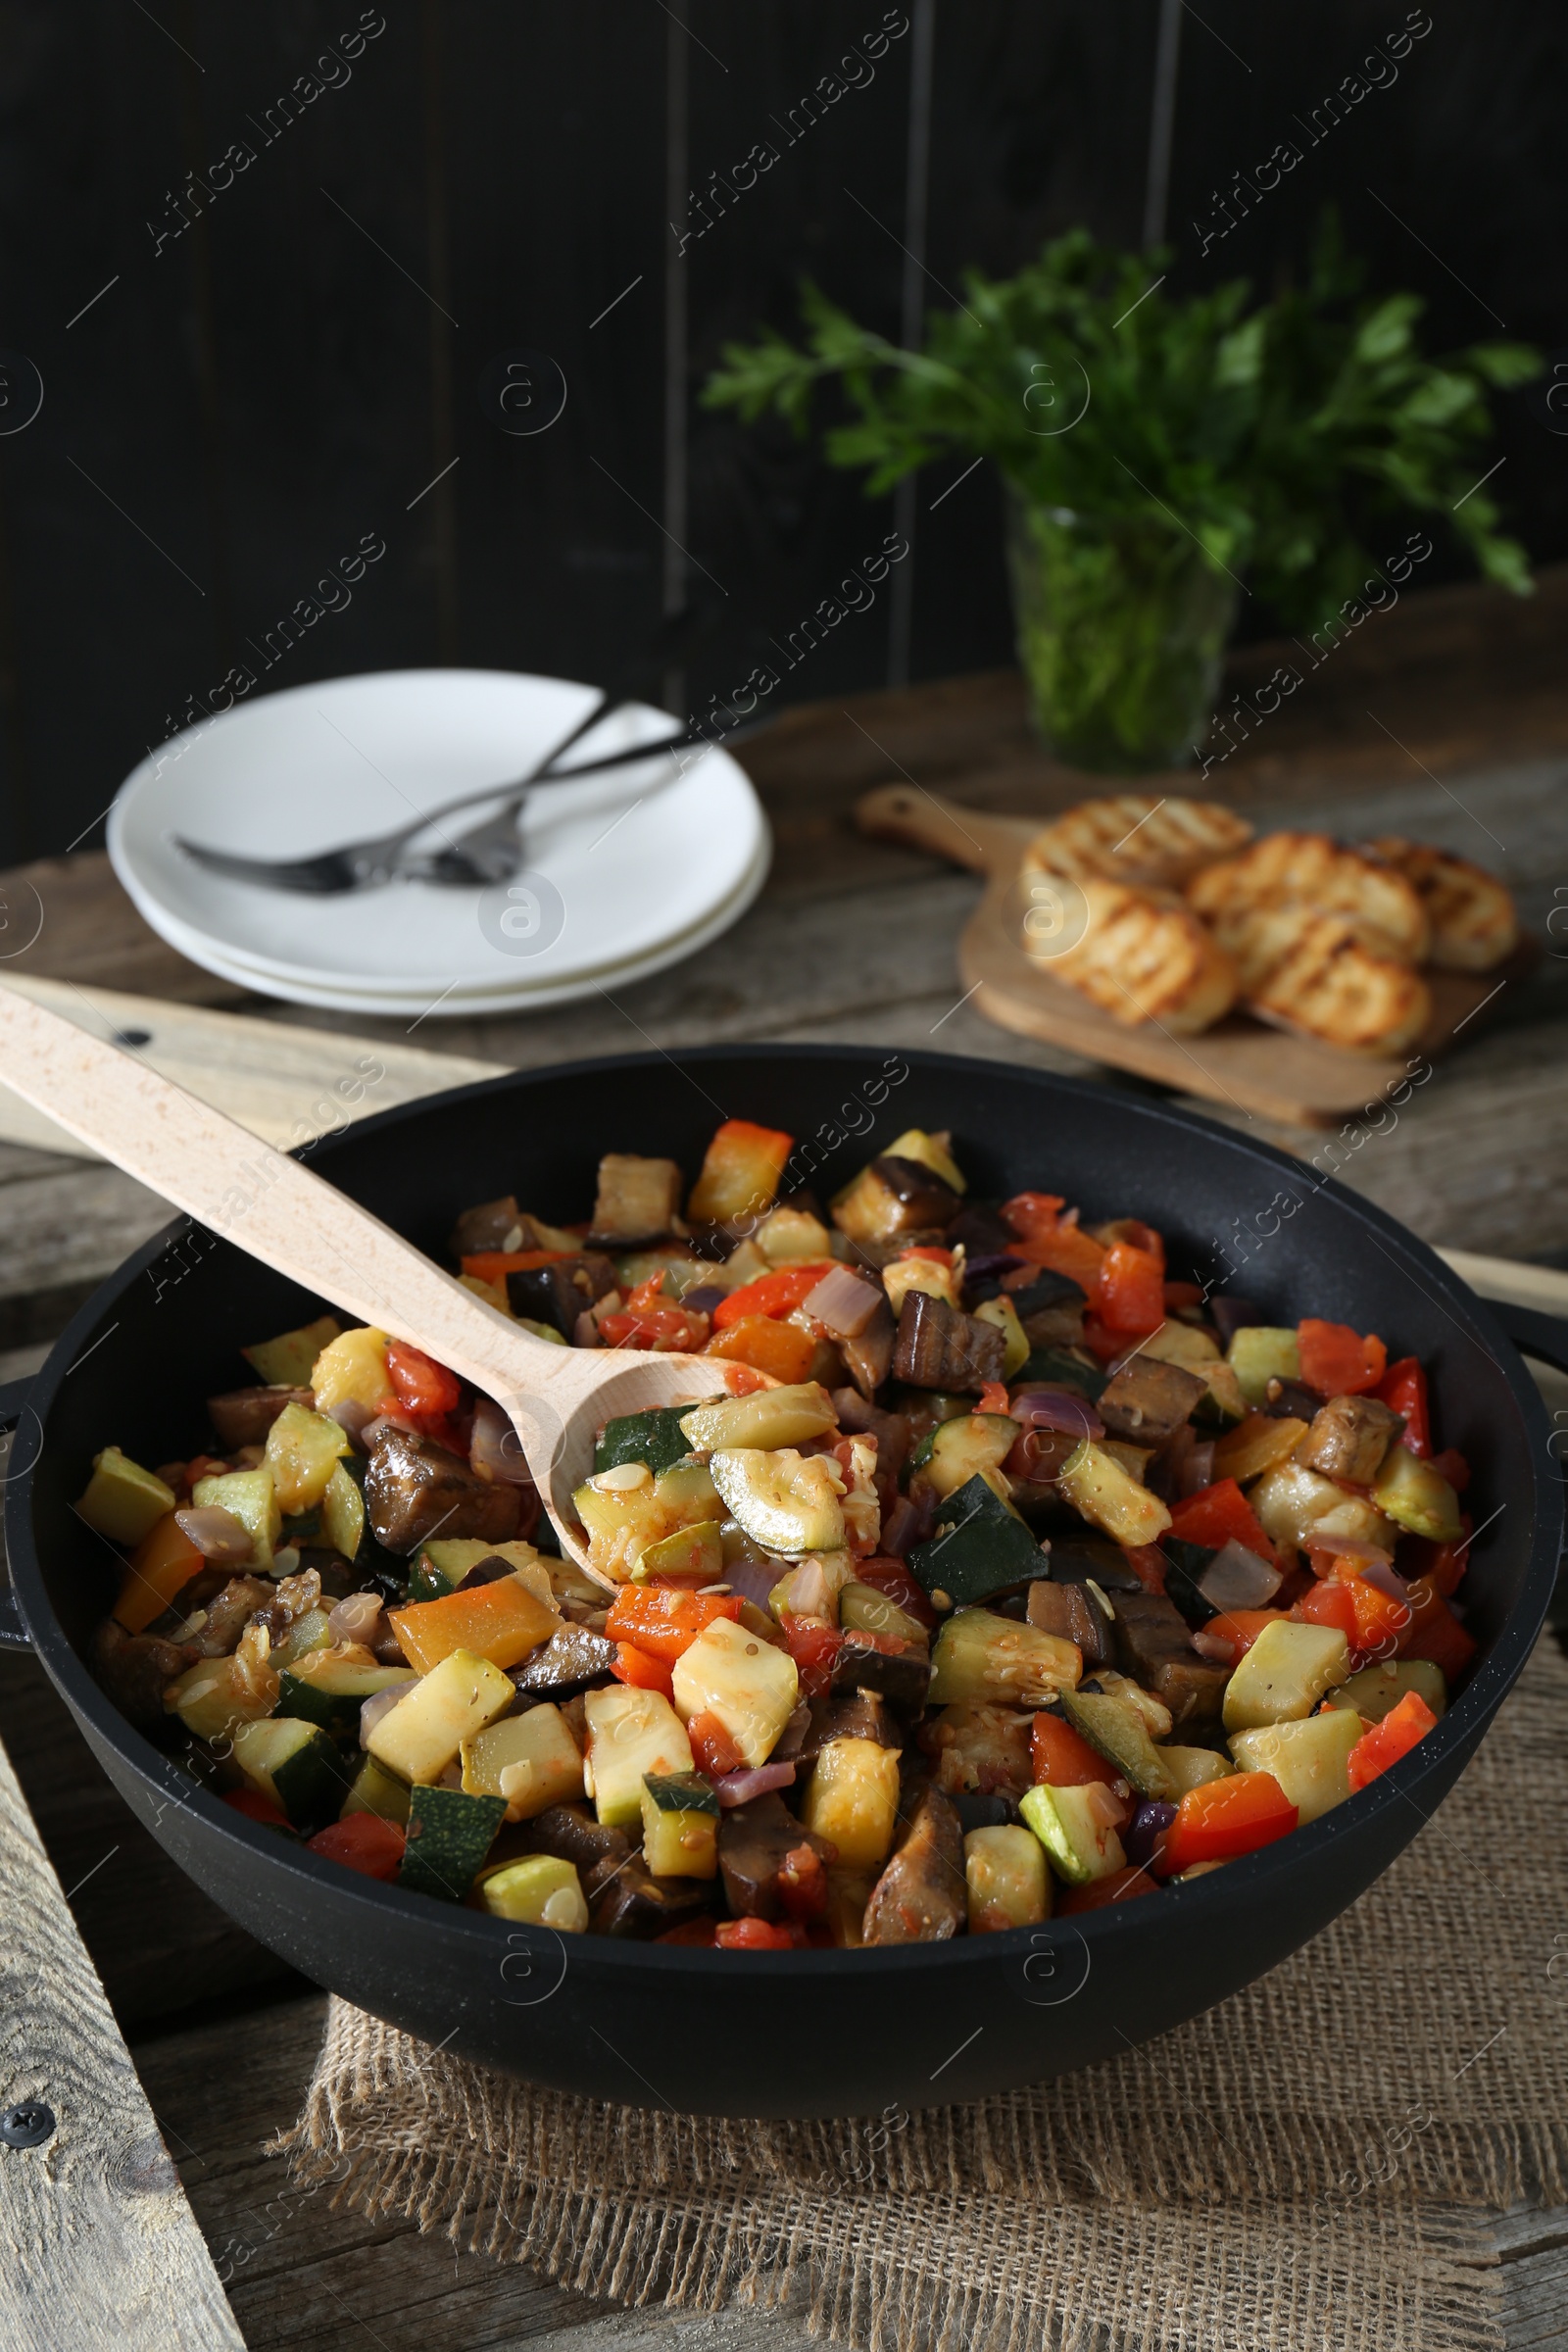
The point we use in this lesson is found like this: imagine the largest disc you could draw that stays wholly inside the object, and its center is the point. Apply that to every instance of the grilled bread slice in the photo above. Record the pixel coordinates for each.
(1315, 972)
(1142, 955)
(1310, 869)
(1473, 922)
(1137, 838)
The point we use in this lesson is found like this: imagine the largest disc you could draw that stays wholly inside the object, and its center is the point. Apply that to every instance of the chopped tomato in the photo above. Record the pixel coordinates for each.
(1451, 1465)
(1329, 1603)
(813, 1647)
(1216, 1516)
(1384, 1744)
(755, 1935)
(1047, 1237)
(1102, 1341)
(663, 1623)
(993, 1398)
(1120, 1887)
(713, 1749)
(777, 1294)
(421, 1387)
(641, 1672)
(1130, 1293)
(700, 1932)
(1062, 1758)
(1435, 1633)
(494, 1265)
(257, 1807)
(783, 1349)
(1240, 1628)
(1439, 1566)
(362, 1841)
(1183, 1294)
(1148, 1563)
(1338, 1361)
(740, 1175)
(1224, 1818)
(645, 1297)
(893, 1578)
(803, 1882)
(1404, 1389)
(665, 1330)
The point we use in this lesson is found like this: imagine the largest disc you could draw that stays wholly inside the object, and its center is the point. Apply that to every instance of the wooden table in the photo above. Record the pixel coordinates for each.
(1466, 742)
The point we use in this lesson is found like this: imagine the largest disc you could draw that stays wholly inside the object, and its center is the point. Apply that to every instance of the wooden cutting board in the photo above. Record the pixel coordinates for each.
(1240, 1060)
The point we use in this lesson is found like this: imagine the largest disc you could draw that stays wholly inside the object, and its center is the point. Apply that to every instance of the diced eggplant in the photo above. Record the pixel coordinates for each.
(1072, 1612)
(979, 1812)
(637, 1203)
(572, 1833)
(901, 1678)
(558, 1294)
(1232, 1314)
(855, 1711)
(979, 1226)
(980, 1748)
(753, 1842)
(492, 1225)
(572, 1660)
(1290, 1401)
(243, 1416)
(229, 1612)
(922, 1895)
(893, 1199)
(1147, 1400)
(415, 1487)
(940, 1348)
(1186, 1564)
(1057, 1367)
(1050, 1310)
(137, 1669)
(1348, 1438)
(630, 1902)
(1154, 1646)
(1075, 1558)
(868, 1356)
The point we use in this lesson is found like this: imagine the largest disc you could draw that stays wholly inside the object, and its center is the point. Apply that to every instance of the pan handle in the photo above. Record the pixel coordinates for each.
(13, 1395)
(1532, 1333)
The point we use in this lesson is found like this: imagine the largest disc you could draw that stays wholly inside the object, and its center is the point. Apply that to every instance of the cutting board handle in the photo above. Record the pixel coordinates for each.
(907, 813)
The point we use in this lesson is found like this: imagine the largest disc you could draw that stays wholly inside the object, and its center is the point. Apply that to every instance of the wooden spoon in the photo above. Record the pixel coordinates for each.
(268, 1205)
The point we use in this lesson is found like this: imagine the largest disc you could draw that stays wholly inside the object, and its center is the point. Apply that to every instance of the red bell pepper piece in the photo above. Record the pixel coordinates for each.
(640, 1672)
(1435, 1633)
(422, 1388)
(665, 1330)
(813, 1647)
(1225, 1818)
(1047, 1237)
(362, 1841)
(1451, 1464)
(257, 1807)
(1063, 1759)
(1148, 1563)
(1219, 1515)
(1338, 1361)
(1183, 1294)
(1240, 1628)
(1440, 1566)
(777, 1294)
(784, 1350)
(1329, 1603)
(1107, 1344)
(893, 1578)
(1384, 1743)
(713, 1751)
(1404, 1389)
(494, 1265)
(993, 1398)
(1120, 1887)
(663, 1622)
(1130, 1294)
(756, 1935)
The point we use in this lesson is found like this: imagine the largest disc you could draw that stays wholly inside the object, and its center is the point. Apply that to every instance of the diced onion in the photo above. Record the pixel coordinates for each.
(844, 1301)
(1057, 1408)
(739, 1788)
(355, 1618)
(1238, 1579)
(217, 1534)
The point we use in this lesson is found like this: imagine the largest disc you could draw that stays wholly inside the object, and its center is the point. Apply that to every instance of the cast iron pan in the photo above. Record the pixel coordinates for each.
(811, 2033)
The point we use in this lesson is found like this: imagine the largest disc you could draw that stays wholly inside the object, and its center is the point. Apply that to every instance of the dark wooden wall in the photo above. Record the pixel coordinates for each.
(229, 414)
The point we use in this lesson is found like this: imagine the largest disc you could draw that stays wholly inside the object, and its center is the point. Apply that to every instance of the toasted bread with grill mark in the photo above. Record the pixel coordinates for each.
(1315, 972)
(1141, 955)
(1138, 838)
(1474, 922)
(1310, 869)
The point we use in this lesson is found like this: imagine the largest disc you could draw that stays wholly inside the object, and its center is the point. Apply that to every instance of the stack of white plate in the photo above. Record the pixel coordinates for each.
(626, 871)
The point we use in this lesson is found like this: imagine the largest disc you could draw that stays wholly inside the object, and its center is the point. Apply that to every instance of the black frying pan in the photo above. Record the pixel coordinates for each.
(809, 2033)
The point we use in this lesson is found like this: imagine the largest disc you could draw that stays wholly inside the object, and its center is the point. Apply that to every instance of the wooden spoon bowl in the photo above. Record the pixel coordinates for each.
(268, 1205)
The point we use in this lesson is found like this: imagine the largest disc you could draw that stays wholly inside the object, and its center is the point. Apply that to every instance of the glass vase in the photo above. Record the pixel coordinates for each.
(1121, 630)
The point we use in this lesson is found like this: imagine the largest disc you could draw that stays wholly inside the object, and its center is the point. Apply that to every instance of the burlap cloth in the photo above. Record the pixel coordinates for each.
(1301, 2167)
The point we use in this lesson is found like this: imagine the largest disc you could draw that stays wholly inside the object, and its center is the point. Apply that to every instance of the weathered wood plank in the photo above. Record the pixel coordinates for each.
(99, 2245)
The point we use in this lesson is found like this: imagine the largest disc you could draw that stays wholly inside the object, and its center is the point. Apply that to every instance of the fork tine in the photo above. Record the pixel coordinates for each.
(324, 874)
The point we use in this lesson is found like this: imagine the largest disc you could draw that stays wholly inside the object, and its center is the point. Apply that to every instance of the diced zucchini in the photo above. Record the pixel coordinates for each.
(541, 1889)
(1376, 1689)
(1118, 1733)
(740, 1173)
(253, 1498)
(343, 1513)
(423, 1733)
(852, 1799)
(1102, 1491)
(630, 1732)
(288, 1361)
(750, 1686)
(303, 1449)
(786, 1502)
(377, 1791)
(929, 1151)
(680, 1826)
(983, 1659)
(980, 1547)
(784, 1416)
(1261, 1352)
(121, 1501)
(864, 1608)
(449, 1835)
(307, 1634)
(625, 1511)
(440, 1566)
(215, 1694)
(531, 1760)
(352, 1370)
(1295, 1506)
(1416, 1495)
(1009, 1885)
(655, 1437)
(1308, 1758)
(793, 1236)
(954, 1451)
(1194, 1767)
(812, 1588)
(1054, 1367)
(1288, 1668)
(325, 1687)
(694, 1552)
(293, 1763)
(1068, 1824)
(1004, 1316)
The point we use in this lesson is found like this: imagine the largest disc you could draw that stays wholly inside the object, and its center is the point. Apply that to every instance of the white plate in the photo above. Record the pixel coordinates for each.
(475, 1004)
(642, 858)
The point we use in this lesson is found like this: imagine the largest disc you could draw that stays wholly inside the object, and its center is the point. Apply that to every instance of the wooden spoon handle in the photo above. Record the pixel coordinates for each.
(907, 813)
(259, 1199)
